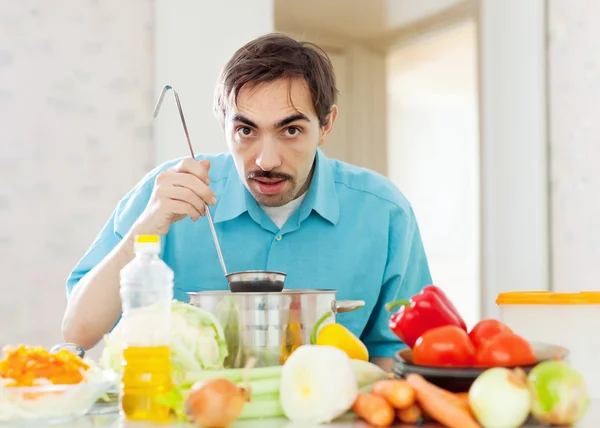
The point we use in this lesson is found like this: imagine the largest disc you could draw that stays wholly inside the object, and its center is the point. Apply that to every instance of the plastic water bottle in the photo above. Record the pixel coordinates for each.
(146, 295)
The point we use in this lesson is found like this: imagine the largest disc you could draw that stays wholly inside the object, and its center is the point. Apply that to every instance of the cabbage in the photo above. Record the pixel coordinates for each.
(560, 395)
(197, 342)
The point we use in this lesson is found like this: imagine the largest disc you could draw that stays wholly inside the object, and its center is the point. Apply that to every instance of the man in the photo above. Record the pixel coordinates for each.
(277, 202)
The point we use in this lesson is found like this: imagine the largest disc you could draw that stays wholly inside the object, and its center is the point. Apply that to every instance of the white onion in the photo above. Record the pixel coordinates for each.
(318, 385)
(500, 398)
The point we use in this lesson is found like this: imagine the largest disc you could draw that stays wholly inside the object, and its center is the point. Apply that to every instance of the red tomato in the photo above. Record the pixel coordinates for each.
(505, 349)
(486, 329)
(444, 346)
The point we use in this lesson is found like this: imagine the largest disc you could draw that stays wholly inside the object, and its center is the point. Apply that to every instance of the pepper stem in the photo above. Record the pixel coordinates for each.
(315, 330)
(390, 306)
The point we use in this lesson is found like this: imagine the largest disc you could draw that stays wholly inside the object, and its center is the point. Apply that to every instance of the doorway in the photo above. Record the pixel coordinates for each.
(433, 153)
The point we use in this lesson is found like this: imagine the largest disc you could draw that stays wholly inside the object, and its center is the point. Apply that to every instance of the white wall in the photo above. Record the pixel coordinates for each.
(574, 86)
(194, 40)
(513, 148)
(76, 94)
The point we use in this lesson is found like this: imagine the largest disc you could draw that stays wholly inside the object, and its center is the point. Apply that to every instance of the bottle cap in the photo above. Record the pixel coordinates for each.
(154, 239)
(147, 244)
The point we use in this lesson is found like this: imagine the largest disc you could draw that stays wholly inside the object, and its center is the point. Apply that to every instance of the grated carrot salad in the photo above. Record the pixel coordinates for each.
(32, 366)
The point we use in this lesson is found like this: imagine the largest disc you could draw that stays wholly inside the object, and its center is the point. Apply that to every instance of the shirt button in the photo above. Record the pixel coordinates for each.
(278, 238)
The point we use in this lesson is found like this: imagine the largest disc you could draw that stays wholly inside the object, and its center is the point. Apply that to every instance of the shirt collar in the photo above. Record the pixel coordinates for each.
(321, 197)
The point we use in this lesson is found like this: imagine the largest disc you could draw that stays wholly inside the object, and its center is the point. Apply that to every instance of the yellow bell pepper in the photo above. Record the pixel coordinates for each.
(340, 337)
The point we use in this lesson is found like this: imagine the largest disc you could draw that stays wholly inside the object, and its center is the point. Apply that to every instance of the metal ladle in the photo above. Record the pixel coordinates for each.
(239, 282)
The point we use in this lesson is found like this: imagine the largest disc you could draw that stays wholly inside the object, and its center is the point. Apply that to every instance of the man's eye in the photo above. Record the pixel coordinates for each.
(244, 131)
(292, 131)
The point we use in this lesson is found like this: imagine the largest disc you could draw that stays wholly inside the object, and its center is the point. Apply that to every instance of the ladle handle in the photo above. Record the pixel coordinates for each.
(214, 234)
(187, 136)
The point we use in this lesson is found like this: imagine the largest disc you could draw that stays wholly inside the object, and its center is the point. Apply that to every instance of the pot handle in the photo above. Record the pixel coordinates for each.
(341, 306)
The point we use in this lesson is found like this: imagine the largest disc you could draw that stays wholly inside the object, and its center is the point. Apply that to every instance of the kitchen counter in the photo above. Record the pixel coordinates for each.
(105, 418)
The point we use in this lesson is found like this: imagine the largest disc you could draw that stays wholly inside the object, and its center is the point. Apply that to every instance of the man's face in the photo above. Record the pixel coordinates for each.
(273, 133)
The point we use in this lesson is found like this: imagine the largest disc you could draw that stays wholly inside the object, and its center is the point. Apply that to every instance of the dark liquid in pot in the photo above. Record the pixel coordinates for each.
(258, 286)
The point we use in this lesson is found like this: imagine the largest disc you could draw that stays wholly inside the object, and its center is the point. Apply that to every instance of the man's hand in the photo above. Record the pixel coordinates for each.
(178, 193)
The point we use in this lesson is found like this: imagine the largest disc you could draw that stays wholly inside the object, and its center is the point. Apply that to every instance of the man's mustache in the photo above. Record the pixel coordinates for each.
(268, 174)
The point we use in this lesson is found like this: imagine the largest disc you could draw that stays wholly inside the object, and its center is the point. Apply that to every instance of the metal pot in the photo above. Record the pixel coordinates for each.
(269, 326)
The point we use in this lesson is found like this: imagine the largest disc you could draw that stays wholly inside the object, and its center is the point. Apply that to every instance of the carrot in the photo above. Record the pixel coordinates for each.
(409, 415)
(397, 392)
(374, 409)
(441, 405)
(451, 397)
(454, 398)
(464, 396)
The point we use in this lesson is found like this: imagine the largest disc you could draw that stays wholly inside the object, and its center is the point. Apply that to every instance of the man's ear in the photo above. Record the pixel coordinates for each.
(329, 124)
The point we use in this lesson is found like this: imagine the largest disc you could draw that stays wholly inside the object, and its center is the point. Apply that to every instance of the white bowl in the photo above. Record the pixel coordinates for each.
(50, 404)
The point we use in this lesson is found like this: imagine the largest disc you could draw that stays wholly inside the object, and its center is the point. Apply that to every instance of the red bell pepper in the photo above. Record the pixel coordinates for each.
(428, 309)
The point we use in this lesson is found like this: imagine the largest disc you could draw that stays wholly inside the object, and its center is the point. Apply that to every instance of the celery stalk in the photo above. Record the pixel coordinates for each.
(263, 386)
(265, 397)
(262, 410)
(234, 375)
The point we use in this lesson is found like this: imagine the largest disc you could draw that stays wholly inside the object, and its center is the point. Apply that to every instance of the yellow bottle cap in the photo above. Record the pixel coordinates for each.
(147, 239)
(548, 298)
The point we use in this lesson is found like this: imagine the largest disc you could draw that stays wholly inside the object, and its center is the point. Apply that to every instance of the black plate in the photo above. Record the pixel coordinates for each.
(460, 379)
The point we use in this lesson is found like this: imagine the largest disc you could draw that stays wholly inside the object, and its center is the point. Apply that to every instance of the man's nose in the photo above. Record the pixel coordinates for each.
(268, 157)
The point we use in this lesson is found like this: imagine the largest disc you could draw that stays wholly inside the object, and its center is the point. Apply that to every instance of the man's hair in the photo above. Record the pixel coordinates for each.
(273, 57)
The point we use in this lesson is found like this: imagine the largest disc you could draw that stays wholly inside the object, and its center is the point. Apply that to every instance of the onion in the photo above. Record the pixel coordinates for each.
(318, 385)
(215, 403)
(500, 398)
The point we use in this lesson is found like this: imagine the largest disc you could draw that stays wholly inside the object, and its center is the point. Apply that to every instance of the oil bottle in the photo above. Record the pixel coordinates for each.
(146, 295)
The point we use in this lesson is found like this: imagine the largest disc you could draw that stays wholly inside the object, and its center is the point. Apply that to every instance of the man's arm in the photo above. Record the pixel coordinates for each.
(406, 273)
(94, 304)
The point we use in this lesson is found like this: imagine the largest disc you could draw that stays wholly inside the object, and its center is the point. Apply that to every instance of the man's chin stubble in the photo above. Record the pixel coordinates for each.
(273, 201)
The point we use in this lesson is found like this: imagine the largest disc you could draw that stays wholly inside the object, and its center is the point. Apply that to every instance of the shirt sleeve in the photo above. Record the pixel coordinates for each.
(406, 273)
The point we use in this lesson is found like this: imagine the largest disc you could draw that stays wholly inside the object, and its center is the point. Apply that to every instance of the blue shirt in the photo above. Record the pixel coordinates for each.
(354, 232)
